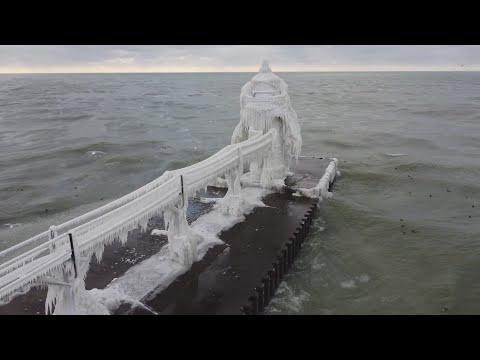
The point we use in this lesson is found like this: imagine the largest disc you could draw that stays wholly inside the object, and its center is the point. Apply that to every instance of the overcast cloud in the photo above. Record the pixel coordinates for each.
(166, 58)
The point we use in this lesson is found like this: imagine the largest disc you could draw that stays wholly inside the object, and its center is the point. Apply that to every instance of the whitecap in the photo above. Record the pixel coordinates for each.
(348, 284)
(11, 225)
(112, 163)
(317, 266)
(364, 278)
(288, 299)
(95, 153)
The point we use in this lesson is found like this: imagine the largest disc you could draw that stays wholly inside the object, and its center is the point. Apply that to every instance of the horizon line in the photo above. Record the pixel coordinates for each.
(227, 72)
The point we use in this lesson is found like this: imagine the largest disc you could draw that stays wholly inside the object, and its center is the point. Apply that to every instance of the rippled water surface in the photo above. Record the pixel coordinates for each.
(401, 234)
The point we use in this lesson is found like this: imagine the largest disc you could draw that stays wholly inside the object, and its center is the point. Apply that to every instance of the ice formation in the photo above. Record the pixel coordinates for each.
(265, 105)
(158, 232)
(233, 201)
(181, 240)
(321, 189)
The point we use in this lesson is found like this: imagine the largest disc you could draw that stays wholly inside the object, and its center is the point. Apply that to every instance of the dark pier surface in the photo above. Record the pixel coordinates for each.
(223, 285)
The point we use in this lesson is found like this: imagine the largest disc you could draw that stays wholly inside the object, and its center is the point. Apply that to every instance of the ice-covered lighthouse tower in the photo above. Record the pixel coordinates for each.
(265, 105)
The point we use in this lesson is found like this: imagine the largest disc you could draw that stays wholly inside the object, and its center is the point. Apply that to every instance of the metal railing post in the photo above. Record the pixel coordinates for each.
(73, 248)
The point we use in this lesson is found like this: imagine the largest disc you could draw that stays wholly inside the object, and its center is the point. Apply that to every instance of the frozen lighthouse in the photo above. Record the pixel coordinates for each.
(265, 105)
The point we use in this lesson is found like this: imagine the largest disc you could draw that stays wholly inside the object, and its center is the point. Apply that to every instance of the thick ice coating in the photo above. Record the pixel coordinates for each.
(264, 105)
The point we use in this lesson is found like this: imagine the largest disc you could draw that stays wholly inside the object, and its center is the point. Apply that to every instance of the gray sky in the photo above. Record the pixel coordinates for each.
(198, 58)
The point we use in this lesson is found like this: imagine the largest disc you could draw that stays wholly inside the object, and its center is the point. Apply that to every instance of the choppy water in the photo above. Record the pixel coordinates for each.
(69, 143)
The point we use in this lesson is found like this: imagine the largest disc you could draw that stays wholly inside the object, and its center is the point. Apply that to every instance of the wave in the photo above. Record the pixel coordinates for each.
(73, 117)
(125, 160)
(342, 144)
(288, 299)
(12, 225)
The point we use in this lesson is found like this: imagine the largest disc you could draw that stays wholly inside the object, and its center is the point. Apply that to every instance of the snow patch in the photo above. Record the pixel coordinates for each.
(208, 200)
(159, 232)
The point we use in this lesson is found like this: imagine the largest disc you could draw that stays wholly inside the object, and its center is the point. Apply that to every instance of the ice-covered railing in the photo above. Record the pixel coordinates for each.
(31, 254)
(23, 246)
(61, 261)
(63, 228)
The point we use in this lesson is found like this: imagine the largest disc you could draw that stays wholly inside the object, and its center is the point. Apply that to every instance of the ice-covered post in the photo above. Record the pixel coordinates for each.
(182, 241)
(65, 284)
(233, 202)
(53, 235)
(265, 105)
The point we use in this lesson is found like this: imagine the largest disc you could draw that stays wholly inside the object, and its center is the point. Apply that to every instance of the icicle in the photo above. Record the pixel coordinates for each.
(99, 252)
